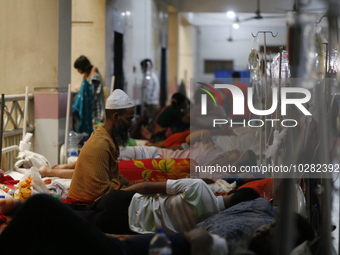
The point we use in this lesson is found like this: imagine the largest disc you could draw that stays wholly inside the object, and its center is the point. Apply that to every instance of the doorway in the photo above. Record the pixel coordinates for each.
(118, 60)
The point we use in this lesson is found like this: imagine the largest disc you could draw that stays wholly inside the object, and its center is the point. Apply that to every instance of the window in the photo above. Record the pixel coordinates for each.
(210, 66)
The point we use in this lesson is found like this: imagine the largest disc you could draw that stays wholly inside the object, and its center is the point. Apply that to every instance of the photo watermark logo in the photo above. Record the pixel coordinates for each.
(238, 104)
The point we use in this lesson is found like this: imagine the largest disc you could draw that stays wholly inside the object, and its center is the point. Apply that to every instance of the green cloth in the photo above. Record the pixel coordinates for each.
(131, 142)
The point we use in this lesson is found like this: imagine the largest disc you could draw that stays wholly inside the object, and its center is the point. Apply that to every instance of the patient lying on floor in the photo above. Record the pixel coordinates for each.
(203, 151)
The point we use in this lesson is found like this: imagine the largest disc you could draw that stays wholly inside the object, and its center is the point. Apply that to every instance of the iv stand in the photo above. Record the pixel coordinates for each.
(264, 99)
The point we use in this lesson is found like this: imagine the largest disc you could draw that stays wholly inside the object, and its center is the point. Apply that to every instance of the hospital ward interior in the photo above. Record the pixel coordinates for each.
(154, 127)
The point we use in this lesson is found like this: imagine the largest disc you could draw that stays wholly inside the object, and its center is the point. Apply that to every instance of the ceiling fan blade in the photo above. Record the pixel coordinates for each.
(251, 18)
(275, 17)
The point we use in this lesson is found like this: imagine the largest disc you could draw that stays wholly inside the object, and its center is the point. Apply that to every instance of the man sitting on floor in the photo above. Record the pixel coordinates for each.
(47, 219)
(96, 170)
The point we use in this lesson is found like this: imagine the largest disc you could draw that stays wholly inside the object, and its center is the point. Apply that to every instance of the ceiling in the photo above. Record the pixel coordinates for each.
(221, 19)
(242, 6)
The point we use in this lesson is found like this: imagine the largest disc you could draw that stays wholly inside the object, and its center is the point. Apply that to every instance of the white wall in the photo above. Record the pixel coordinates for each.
(118, 20)
(143, 32)
(212, 44)
(88, 36)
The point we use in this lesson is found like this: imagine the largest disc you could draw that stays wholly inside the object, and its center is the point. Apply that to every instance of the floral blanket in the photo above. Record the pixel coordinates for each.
(156, 169)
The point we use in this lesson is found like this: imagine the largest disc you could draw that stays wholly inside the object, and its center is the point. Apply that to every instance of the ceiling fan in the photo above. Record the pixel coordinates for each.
(231, 39)
(258, 15)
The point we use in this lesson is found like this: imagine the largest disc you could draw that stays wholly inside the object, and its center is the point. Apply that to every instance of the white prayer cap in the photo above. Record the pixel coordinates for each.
(118, 100)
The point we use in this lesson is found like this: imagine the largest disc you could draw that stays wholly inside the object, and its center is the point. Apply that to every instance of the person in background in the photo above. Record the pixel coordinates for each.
(150, 89)
(228, 99)
(174, 116)
(89, 104)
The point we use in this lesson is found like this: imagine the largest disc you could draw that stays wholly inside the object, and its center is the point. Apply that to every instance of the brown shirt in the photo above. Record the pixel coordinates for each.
(96, 172)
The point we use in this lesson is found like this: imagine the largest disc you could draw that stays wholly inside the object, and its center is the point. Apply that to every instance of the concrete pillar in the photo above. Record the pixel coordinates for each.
(50, 101)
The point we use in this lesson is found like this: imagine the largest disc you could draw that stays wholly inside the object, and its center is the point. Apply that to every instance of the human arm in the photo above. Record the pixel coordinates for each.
(202, 135)
(45, 171)
(148, 188)
(9, 205)
(124, 182)
(65, 166)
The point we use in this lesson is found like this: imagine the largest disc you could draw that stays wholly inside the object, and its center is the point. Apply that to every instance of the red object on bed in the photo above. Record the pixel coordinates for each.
(3, 218)
(8, 180)
(176, 139)
(155, 169)
(264, 187)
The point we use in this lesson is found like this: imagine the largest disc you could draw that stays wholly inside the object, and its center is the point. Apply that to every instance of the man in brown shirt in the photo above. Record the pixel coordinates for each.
(96, 170)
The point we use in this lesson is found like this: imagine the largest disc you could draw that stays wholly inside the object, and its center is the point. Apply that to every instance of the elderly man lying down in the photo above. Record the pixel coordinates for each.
(47, 219)
(175, 205)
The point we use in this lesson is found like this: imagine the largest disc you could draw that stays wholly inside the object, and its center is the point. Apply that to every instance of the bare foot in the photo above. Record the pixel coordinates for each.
(44, 171)
(8, 205)
(145, 133)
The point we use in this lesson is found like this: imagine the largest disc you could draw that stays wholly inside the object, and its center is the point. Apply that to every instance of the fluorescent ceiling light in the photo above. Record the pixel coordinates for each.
(236, 26)
(231, 14)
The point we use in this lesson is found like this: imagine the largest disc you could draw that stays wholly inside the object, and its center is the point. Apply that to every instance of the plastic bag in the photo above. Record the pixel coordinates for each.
(285, 69)
(30, 184)
(253, 59)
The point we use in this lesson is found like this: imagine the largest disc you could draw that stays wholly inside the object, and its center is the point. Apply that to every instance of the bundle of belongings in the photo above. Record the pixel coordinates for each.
(27, 159)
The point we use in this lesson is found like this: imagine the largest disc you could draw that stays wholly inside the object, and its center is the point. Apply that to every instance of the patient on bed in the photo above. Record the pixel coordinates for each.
(203, 151)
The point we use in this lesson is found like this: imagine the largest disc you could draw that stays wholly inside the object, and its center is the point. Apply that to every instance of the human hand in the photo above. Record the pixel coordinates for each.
(200, 241)
(124, 182)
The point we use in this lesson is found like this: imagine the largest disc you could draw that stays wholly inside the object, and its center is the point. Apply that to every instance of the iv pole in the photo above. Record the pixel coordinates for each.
(264, 103)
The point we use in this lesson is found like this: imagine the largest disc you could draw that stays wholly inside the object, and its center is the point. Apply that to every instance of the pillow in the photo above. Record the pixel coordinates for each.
(240, 220)
(155, 169)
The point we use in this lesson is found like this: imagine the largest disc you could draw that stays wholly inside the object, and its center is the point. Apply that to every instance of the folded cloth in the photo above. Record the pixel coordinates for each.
(137, 152)
(5, 178)
(3, 218)
(58, 189)
(11, 182)
(222, 186)
(27, 159)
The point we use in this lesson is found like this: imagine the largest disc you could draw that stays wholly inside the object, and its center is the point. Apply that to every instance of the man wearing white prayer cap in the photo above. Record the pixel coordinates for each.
(96, 170)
